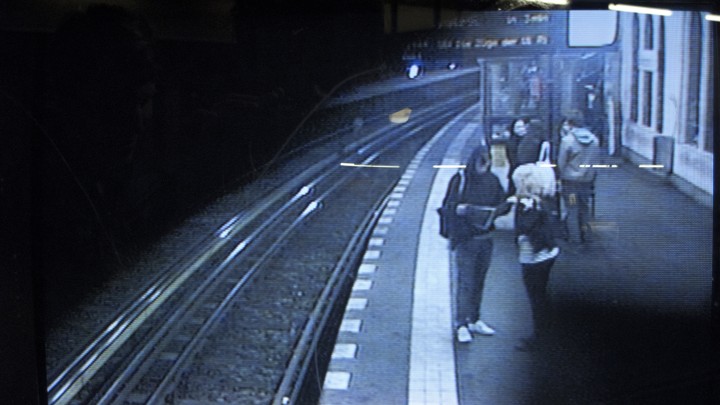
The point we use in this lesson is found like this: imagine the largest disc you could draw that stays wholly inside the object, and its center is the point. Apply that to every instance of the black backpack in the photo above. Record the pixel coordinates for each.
(448, 217)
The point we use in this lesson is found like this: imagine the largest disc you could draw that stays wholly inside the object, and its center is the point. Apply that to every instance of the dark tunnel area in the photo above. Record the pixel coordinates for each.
(120, 134)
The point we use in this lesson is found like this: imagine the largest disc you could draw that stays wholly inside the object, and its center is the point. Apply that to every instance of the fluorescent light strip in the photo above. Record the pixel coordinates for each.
(556, 2)
(641, 10)
(713, 17)
(448, 166)
(374, 166)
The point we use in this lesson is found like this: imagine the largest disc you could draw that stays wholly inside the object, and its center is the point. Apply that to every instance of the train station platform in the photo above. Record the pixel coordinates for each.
(631, 306)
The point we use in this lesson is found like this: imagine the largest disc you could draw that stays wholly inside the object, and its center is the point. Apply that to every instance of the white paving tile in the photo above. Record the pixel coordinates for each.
(367, 268)
(385, 220)
(371, 255)
(380, 230)
(393, 203)
(337, 380)
(390, 211)
(362, 285)
(344, 351)
(357, 303)
(375, 242)
(351, 325)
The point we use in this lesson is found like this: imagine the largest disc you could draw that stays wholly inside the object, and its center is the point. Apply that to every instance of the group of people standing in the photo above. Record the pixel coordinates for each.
(475, 197)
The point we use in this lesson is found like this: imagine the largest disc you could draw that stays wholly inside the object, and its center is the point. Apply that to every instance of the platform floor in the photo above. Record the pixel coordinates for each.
(631, 307)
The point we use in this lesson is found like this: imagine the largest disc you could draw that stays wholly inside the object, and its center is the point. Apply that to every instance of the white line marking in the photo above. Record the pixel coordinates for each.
(357, 303)
(337, 380)
(385, 220)
(390, 211)
(344, 351)
(448, 166)
(362, 285)
(376, 242)
(432, 359)
(367, 269)
(371, 255)
(351, 325)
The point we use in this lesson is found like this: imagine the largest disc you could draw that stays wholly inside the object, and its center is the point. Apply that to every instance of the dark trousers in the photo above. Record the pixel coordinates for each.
(577, 202)
(535, 278)
(472, 260)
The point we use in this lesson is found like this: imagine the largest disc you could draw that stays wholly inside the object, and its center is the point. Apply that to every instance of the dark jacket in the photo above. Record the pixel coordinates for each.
(536, 222)
(481, 189)
(528, 150)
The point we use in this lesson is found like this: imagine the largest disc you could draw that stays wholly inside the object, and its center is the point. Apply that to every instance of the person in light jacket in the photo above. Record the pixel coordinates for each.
(579, 152)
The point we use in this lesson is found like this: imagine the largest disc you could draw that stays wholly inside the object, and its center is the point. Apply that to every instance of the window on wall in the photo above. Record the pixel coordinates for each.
(647, 81)
(647, 99)
(648, 33)
(635, 69)
(692, 121)
(659, 113)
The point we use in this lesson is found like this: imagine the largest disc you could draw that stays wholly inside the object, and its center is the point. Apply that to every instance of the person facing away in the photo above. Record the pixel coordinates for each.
(470, 241)
(537, 250)
(579, 151)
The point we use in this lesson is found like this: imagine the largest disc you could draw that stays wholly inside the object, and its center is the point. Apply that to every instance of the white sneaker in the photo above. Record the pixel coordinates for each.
(481, 328)
(463, 335)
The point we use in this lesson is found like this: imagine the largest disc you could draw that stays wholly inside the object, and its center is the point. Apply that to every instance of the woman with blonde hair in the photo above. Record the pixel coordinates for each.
(535, 200)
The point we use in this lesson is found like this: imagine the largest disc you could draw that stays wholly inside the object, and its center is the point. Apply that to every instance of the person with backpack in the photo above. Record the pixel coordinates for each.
(473, 199)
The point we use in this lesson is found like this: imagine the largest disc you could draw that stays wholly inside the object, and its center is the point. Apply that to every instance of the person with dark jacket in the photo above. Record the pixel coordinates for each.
(471, 195)
(528, 150)
(518, 129)
(579, 151)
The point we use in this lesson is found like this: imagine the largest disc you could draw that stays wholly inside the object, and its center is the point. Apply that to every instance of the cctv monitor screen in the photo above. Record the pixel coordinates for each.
(385, 202)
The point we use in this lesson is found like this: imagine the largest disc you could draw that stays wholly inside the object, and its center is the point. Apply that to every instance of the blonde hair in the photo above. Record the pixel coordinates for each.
(535, 179)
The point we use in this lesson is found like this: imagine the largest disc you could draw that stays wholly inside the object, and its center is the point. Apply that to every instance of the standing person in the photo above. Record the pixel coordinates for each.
(470, 238)
(579, 151)
(518, 130)
(537, 249)
(567, 125)
(528, 150)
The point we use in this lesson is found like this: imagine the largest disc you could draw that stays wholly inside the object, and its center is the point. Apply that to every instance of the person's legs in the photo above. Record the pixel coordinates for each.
(583, 197)
(483, 257)
(572, 198)
(535, 278)
(472, 260)
(466, 282)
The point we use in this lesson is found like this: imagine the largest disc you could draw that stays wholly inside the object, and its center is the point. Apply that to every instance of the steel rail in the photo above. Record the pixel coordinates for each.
(83, 367)
(294, 378)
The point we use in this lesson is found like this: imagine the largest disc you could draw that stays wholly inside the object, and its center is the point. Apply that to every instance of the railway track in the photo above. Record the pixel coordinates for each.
(271, 273)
